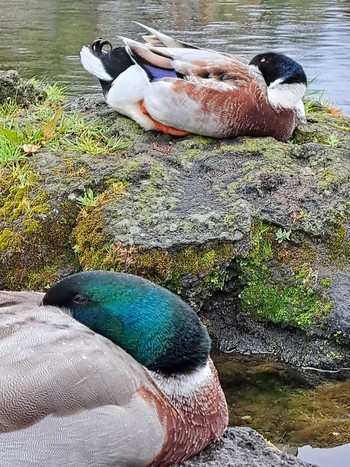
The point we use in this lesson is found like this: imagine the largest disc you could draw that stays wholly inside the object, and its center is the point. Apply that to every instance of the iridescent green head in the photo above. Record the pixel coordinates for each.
(152, 324)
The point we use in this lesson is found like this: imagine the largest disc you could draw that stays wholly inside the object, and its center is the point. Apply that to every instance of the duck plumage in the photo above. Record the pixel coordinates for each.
(70, 396)
(173, 87)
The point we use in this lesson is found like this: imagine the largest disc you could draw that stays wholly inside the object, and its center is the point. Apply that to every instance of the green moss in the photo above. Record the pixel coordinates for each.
(208, 265)
(95, 249)
(130, 167)
(193, 148)
(33, 241)
(339, 247)
(325, 282)
(327, 178)
(154, 264)
(294, 305)
(40, 277)
(268, 148)
(90, 243)
(273, 292)
(21, 198)
(338, 337)
(325, 126)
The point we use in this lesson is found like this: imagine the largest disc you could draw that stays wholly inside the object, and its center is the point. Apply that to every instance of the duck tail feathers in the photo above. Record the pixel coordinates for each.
(93, 64)
(106, 65)
(156, 66)
(158, 39)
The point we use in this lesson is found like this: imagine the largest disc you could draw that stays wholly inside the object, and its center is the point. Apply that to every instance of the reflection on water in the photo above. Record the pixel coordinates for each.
(334, 457)
(44, 38)
(275, 400)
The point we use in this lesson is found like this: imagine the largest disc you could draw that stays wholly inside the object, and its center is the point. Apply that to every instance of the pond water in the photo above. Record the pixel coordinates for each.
(44, 38)
(276, 400)
(333, 457)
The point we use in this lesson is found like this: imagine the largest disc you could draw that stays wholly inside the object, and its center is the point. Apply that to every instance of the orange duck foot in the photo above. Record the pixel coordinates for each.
(168, 130)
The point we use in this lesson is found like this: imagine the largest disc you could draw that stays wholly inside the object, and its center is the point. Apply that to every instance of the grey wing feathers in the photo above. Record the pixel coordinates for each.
(159, 39)
(68, 395)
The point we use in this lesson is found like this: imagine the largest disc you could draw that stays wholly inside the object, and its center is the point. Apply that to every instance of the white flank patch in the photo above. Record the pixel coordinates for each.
(301, 112)
(287, 96)
(126, 93)
(93, 64)
(183, 385)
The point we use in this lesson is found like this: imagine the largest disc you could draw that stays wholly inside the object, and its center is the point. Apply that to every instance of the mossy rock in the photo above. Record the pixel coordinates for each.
(250, 231)
(14, 88)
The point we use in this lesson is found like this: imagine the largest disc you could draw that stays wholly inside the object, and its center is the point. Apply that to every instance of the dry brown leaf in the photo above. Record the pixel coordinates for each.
(49, 129)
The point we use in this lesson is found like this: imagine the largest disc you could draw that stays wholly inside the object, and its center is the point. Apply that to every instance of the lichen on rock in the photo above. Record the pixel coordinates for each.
(252, 232)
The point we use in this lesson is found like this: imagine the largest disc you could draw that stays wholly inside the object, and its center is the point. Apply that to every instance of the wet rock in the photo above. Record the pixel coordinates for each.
(314, 355)
(270, 182)
(338, 320)
(309, 150)
(243, 447)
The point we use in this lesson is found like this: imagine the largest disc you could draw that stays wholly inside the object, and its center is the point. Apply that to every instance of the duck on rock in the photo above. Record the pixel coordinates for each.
(105, 369)
(176, 88)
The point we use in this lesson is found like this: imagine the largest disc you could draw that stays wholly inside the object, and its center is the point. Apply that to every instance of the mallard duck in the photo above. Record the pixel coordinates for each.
(104, 369)
(173, 87)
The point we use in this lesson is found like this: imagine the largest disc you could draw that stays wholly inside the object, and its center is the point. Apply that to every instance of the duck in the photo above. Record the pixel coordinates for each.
(176, 88)
(105, 369)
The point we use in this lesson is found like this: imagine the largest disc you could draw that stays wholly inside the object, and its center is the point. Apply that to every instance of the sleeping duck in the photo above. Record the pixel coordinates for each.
(105, 369)
(176, 88)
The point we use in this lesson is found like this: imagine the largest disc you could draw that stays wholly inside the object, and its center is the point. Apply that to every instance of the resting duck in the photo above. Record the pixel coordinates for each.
(105, 369)
(176, 88)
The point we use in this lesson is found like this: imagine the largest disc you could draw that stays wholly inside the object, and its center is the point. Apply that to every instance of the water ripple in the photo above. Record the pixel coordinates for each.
(44, 38)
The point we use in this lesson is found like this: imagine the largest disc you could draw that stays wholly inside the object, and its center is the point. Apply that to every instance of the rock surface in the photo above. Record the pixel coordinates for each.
(15, 88)
(243, 447)
(252, 232)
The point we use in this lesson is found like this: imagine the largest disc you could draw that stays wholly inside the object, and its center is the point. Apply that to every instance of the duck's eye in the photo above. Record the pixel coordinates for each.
(80, 299)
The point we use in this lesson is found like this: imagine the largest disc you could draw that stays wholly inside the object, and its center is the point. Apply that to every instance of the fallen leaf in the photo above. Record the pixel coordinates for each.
(30, 148)
(49, 129)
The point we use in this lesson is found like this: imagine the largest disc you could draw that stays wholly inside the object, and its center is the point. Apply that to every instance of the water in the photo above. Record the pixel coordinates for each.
(332, 457)
(275, 400)
(44, 38)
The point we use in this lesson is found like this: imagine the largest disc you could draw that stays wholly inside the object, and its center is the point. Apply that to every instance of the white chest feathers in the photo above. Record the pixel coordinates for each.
(286, 95)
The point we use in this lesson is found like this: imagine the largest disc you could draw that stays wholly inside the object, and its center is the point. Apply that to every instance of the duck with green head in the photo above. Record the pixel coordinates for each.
(105, 369)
